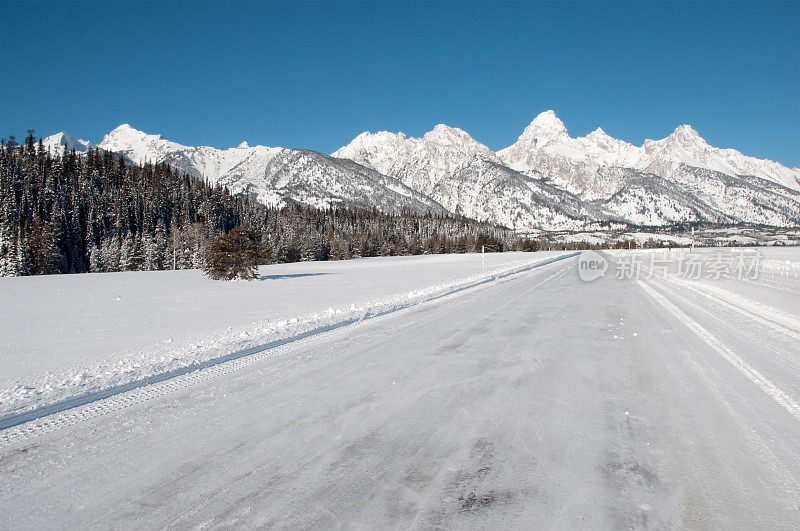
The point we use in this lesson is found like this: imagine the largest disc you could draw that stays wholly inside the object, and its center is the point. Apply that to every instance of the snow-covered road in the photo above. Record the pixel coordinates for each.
(537, 400)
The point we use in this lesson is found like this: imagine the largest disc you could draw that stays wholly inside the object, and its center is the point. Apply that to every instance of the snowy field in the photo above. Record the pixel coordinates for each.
(661, 393)
(65, 335)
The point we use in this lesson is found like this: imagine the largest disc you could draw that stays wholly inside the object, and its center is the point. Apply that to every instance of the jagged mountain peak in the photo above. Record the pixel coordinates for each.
(444, 130)
(449, 138)
(598, 133)
(440, 133)
(372, 149)
(424, 164)
(126, 132)
(545, 126)
(686, 135)
(606, 148)
(64, 137)
(369, 136)
(600, 137)
(137, 145)
(367, 144)
(56, 143)
(124, 127)
(687, 130)
(547, 117)
(60, 138)
(545, 179)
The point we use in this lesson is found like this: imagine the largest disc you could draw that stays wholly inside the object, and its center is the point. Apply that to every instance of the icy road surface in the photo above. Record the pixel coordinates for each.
(535, 401)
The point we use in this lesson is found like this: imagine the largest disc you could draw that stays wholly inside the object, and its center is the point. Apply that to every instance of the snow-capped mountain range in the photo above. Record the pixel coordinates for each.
(546, 179)
(271, 175)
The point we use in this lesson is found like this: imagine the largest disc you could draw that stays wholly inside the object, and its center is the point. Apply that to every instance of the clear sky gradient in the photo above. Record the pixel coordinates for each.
(315, 75)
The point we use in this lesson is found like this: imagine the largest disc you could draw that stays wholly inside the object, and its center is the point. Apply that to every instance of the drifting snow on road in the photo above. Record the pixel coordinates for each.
(536, 399)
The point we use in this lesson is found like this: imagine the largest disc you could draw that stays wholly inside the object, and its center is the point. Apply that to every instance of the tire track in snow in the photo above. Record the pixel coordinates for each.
(88, 406)
(778, 321)
(786, 351)
(751, 373)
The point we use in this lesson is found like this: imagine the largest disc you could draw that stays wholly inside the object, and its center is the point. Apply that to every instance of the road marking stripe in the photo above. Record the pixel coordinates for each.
(752, 374)
(775, 319)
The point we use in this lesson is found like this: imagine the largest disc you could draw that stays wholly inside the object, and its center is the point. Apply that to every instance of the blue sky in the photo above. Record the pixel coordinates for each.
(315, 75)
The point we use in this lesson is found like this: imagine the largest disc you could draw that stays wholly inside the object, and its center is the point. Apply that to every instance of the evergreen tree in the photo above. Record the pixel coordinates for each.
(77, 213)
(156, 248)
(415, 247)
(235, 255)
(400, 247)
(131, 256)
(387, 248)
(110, 254)
(45, 257)
(23, 265)
(95, 260)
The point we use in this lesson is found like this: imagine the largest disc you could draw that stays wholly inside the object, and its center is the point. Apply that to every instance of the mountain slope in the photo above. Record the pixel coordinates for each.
(56, 143)
(685, 147)
(274, 175)
(421, 163)
(576, 164)
(679, 178)
(546, 179)
(467, 178)
(311, 178)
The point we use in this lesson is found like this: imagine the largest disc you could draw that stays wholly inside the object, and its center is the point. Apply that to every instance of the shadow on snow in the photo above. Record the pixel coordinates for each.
(295, 275)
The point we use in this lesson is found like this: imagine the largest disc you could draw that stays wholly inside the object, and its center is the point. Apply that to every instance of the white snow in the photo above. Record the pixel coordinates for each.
(138, 146)
(71, 334)
(546, 147)
(56, 143)
(537, 401)
(464, 176)
(680, 178)
(271, 174)
(422, 163)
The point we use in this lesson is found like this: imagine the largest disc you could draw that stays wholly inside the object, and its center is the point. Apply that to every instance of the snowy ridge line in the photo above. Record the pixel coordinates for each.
(722, 349)
(412, 298)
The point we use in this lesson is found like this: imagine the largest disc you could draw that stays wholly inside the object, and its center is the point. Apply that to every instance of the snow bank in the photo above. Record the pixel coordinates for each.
(55, 374)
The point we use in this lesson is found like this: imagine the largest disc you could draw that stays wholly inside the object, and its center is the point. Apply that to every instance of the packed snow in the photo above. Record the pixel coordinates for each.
(536, 400)
(72, 334)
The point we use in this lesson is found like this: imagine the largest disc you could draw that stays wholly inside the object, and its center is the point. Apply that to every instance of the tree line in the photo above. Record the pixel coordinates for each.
(94, 212)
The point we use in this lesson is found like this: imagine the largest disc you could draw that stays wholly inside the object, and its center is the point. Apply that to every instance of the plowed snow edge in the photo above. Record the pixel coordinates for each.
(17, 419)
